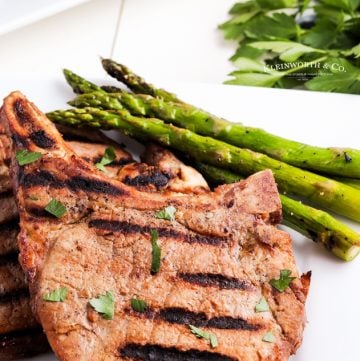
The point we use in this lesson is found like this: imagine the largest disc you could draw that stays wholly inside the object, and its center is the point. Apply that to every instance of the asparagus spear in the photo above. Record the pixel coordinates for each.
(135, 82)
(355, 183)
(344, 162)
(79, 84)
(313, 223)
(327, 193)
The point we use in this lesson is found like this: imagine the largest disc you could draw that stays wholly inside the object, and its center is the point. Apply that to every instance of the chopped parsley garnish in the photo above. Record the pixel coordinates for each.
(58, 295)
(167, 213)
(33, 198)
(105, 305)
(138, 305)
(262, 306)
(25, 157)
(156, 252)
(198, 332)
(269, 337)
(55, 208)
(283, 282)
(348, 159)
(108, 157)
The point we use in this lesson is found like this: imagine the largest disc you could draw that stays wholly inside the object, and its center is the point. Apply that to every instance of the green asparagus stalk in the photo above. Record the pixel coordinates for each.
(79, 84)
(313, 223)
(352, 182)
(135, 82)
(138, 105)
(344, 162)
(327, 193)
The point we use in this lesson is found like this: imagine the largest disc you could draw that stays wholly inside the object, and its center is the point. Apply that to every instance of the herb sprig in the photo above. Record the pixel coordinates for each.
(296, 44)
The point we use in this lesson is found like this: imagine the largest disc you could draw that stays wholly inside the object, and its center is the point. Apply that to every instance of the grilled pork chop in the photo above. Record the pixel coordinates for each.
(19, 331)
(218, 257)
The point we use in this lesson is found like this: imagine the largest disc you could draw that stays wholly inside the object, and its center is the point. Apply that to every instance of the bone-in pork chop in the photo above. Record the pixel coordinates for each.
(217, 259)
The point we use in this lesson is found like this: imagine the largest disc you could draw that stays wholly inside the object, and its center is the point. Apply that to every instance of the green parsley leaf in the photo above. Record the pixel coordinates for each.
(58, 295)
(283, 282)
(156, 252)
(246, 51)
(355, 51)
(243, 7)
(289, 51)
(138, 305)
(105, 305)
(346, 5)
(25, 157)
(262, 306)
(167, 213)
(335, 80)
(55, 208)
(108, 157)
(269, 337)
(275, 27)
(33, 198)
(276, 4)
(253, 73)
(198, 332)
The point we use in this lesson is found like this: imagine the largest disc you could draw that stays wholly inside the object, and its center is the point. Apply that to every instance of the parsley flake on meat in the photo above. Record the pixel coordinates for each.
(58, 295)
(105, 305)
(55, 208)
(167, 213)
(198, 332)
(25, 157)
(108, 157)
(283, 282)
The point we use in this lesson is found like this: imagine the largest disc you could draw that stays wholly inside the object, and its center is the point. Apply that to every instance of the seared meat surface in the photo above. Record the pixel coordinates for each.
(218, 257)
(18, 326)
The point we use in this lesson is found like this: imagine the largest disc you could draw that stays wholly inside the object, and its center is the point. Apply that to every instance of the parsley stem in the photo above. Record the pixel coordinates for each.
(305, 64)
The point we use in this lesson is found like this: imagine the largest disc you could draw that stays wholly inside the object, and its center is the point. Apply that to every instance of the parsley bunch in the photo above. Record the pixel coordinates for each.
(296, 44)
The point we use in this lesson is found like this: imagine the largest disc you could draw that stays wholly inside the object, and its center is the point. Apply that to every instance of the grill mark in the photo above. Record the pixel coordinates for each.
(214, 280)
(21, 114)
(39, 212)
(183, 317)
(9, 258)
(159, 353)
(19, 141)
(41, 139)
(158, 179)
(6, 194)
(115, 163)
(14, 296)
(126, 227)
(19, 333)
(41, 178)
(44, 178)
(9, 226)
(93, 185)
(23, 343)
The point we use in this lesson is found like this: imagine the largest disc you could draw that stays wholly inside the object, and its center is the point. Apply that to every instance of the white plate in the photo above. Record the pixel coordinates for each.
(317, 118)
(15, 14)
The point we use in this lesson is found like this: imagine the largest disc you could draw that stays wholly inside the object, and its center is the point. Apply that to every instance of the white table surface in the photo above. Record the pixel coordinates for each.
(175, 40)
